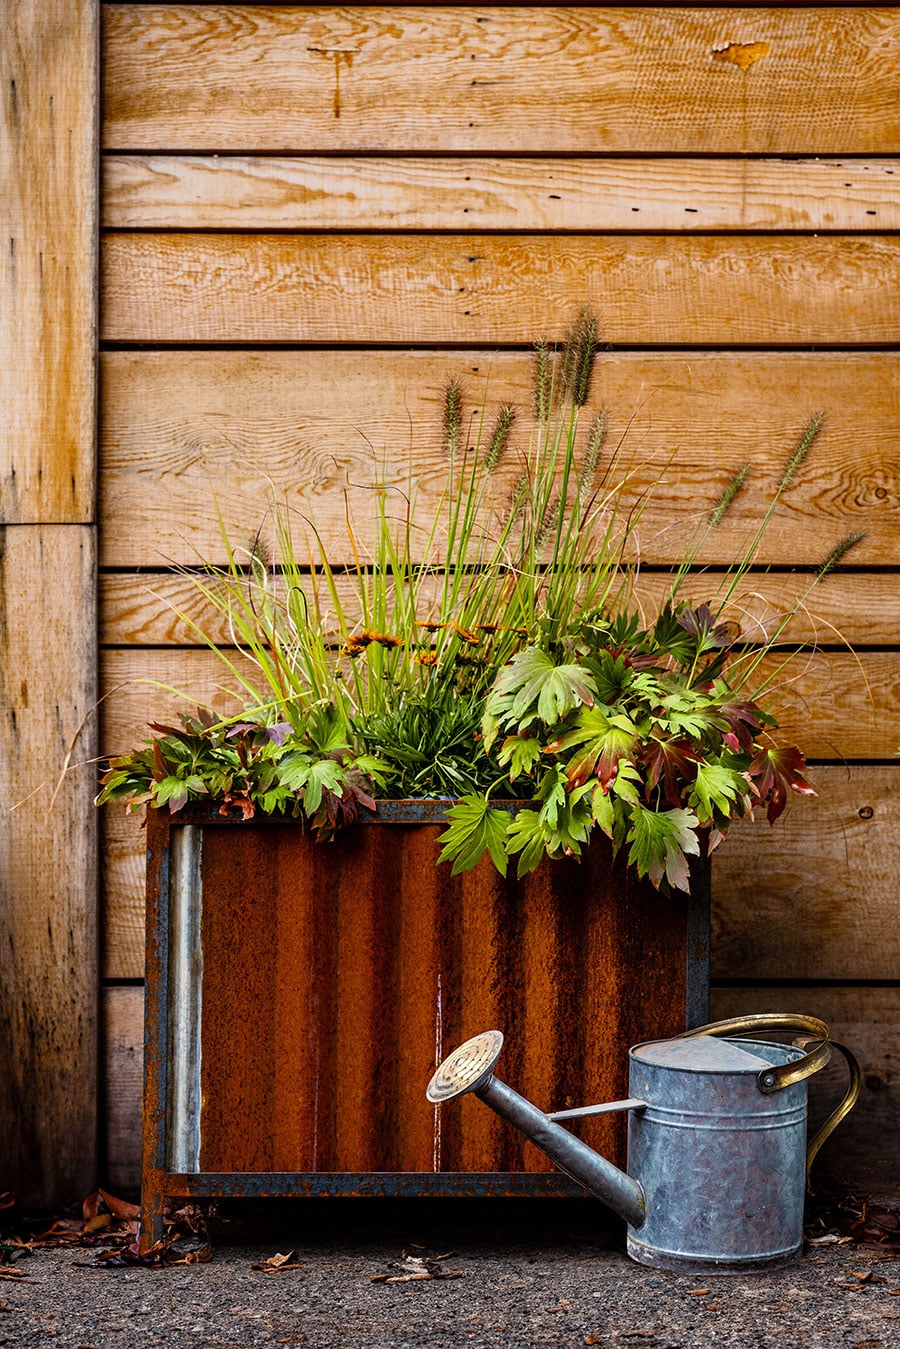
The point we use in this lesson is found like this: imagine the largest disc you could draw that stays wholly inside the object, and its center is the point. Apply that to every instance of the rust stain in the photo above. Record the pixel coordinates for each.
(743, 54)
(340, 56)
(322, 973)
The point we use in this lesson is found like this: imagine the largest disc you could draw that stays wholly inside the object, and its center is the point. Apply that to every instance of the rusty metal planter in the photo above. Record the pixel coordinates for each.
(299, 996)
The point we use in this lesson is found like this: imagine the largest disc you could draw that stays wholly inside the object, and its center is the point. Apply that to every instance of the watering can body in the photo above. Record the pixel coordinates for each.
(717, 1148)
(721, 1164)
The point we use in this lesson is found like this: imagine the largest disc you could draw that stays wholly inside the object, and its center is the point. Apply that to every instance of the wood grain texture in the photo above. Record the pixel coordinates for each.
(865, 724)
(864, 608)
(122, 1029)
(742, 290)
(48, 216)
(48, 864)
(183, 430)
(751, 876)
(815, 896)
(545, 79)
(610, 195)
(864, 1152)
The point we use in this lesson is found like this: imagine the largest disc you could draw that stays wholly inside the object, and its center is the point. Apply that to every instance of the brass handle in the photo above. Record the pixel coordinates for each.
(785, 1075)
(846, 1105)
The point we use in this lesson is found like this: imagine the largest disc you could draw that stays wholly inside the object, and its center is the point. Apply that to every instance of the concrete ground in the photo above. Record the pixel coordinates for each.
(527, 1274)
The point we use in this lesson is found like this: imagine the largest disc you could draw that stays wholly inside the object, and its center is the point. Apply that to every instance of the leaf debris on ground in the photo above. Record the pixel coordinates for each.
(859, 1222)
(277, 1263)
(414, 1267)
(110, 1227)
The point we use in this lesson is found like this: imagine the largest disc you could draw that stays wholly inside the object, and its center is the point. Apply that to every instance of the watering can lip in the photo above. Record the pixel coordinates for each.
(706, 1054)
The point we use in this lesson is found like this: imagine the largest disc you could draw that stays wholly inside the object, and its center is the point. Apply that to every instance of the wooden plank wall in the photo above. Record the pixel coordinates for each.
(313, 215)
(48, 839)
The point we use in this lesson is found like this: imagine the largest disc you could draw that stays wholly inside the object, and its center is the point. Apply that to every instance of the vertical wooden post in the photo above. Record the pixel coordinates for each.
(48, 842)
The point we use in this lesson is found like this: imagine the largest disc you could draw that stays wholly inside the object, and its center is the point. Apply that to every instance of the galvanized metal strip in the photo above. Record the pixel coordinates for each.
(669, 1121)
(185, 994)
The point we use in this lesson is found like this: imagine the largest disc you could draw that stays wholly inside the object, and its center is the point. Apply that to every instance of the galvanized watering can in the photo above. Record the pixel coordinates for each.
(717, 1150)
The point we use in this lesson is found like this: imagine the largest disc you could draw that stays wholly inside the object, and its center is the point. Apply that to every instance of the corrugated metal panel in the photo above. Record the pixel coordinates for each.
(337, 976)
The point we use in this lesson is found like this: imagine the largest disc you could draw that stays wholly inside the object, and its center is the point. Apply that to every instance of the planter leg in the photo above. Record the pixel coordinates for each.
(151, 1219)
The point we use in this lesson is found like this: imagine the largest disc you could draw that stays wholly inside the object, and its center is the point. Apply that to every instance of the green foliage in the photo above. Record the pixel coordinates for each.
(490, 650)
(475, 828)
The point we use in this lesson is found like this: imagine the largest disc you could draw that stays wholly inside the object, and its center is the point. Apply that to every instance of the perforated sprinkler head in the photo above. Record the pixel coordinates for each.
(467, 1068)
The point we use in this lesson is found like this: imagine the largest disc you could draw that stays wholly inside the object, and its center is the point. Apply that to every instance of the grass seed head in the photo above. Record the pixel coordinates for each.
(724, 503)
(837, 554)
(543, 380)
(578, 356)
(452, 418)
(801, 450)
(499, 438)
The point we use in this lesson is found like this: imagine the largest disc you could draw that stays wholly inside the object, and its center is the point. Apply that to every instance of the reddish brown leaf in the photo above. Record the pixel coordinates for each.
(773, 771)
(120, 1208)
(90, 1206)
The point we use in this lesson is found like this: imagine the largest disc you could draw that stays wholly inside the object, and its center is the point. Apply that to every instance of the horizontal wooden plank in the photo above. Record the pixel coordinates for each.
(763, 876)
(537, 79)
(864, 724)
(864, 1152)
(814, 897)
(742, 290)
(122, 1051)
(612, 195)
(862, 608)
(183, 431)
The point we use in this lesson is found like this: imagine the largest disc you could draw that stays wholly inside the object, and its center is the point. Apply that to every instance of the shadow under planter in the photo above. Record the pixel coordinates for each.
(300, 995)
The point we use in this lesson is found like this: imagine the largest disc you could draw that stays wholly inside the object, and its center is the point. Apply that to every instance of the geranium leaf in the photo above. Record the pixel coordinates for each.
(475, 828)
(606, 741)
(528, 838)
(716, 788)
(671, 761)
(533, 686)
(323, 775)
(660, 844)
(521, 754)
(775, 770)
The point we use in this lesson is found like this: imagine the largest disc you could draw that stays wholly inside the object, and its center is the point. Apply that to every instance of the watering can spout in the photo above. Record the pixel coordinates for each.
(470, 1069)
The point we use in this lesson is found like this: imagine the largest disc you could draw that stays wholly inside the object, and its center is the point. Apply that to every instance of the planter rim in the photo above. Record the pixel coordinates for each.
(415, 810)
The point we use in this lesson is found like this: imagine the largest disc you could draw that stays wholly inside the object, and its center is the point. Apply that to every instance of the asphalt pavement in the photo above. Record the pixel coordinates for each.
(386, 1276)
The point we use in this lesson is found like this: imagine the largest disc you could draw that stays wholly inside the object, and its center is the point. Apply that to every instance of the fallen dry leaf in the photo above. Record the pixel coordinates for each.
(276, 1263)
(97, 1224)
(416, 1268)
(120, 1208)
(200, 1255)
